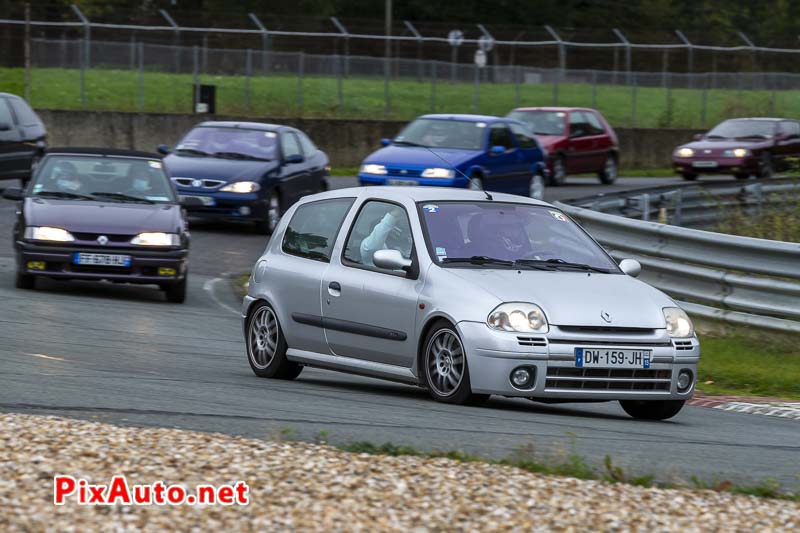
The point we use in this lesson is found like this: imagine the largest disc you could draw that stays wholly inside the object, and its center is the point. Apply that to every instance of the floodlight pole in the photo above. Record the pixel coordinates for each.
(418, 36)
(690, 54)
(344, 33)
(87, 34)
(176, 37)
(627, 45)
(752, 46)
(562, 50)
(264, 40)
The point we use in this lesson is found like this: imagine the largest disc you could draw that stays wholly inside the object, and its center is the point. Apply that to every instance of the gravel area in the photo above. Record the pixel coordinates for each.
(306, 487)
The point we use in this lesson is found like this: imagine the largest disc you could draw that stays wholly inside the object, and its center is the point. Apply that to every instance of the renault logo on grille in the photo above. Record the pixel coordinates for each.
(404, 171)
(605, 316)
(102, 240)
(197, 183)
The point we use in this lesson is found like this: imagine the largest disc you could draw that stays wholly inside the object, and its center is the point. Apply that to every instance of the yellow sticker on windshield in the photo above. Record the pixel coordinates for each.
(155, 164)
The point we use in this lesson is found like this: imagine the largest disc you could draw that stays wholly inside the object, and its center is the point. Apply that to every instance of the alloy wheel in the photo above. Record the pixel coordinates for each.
(536, 189)
(445, 362)
(274, 212)
(262, 339)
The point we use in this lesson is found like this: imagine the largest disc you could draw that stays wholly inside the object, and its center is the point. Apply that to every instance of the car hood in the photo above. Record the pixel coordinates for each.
(228, 170)
(418, 157)
(724, 144)
(575, 298)
(102, 217)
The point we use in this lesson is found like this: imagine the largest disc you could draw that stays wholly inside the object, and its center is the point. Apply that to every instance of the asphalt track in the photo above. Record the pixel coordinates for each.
(121, 354)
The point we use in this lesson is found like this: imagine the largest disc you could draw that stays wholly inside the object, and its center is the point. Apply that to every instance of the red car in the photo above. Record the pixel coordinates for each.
(578, 140)
(743, 147)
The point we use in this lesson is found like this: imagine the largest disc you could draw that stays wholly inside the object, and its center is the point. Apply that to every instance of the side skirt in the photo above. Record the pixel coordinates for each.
(353, 366)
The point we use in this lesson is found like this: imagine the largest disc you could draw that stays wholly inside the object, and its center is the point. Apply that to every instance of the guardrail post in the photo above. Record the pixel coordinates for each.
(677, 209)
(645, 206)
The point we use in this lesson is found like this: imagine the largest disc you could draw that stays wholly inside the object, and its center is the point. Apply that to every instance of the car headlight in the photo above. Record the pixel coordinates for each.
(684, 152)
(736, 152)
(520, 317)
(438, 173)
(156, 238)
(46, 233)
(241, 187)
(371, 168)
(678, 322)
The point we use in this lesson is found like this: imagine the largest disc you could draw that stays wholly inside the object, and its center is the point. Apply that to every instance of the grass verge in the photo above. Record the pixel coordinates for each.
(574, 465)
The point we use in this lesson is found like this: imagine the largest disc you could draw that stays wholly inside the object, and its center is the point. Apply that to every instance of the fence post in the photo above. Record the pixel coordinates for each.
(28, 51)
(517, 75)
(704, 108)
(204, 59)
(83, 75)
(300, 66)
(433, 86)
(339, 94)
(141, 77)
(634, 83)
(195, 76)
(475, 87)
(387, 66)
(668, 82)
(248, 67)
(594, 89)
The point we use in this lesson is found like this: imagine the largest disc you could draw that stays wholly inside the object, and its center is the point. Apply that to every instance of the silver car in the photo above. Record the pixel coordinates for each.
(467, 294)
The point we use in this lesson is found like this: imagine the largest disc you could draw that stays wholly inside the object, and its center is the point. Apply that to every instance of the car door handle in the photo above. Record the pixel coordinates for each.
(334, 288)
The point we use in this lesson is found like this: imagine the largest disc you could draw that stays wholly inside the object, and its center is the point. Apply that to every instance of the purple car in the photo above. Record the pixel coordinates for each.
(101, 214)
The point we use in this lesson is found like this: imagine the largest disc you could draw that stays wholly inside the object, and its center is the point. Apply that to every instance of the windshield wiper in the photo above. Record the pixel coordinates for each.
(64, 194)
(193, 151)
(122, 197)
(409, 143)
(478, 260)
(562, 263)
(238, 155)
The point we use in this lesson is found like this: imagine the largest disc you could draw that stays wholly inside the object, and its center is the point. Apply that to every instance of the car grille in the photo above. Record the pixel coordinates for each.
(532, 341)
(403, 172)
(605, 330)
(204, 184)
(601, 379)
(112, 238)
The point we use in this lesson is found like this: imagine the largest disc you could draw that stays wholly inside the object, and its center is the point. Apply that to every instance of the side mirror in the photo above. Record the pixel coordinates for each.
(163, 149)
(496, 150)
(190, 201)
(13, 193)
(697, 137)
(293, 159)
(576, 133)
(5, 126)
(631, 267)
(386, 142)
(391, 260)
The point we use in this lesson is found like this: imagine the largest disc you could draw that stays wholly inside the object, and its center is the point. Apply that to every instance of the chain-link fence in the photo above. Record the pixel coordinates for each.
(136, 76)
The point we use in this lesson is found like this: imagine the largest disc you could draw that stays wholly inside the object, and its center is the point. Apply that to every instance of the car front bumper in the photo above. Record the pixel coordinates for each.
(144, 268)
(723, 165)
(493, 355)
(373, 179)
(228, 206)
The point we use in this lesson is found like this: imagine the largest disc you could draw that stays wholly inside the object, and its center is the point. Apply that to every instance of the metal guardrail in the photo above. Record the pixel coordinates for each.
(737, 279)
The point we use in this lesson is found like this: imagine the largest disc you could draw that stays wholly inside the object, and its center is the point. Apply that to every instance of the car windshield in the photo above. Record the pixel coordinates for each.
(116, 179)
(486, 234)
(743, 129)
(231, 143)
(542, 122)
(443, 133)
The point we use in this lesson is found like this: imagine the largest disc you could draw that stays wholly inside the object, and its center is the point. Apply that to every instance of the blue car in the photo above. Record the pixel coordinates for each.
(245, 171)
(475, 151)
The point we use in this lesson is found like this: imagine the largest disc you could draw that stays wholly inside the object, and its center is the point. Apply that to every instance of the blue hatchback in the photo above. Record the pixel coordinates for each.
(475, 151)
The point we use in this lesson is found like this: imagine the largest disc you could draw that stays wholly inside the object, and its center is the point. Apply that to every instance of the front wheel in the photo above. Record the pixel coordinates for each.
(268, 225)
(609, 173)
(25, 281)
(559, 174)
(765, 166)
(476, 183)
(536, 187)
(176, 292)
(652, 409)
(445, 370)
(266, 345)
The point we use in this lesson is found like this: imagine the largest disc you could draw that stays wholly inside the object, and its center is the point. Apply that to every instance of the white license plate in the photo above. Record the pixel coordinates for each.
(705, 164)
(402, 182)
(102, 260)
(207, 200)
(611, 358)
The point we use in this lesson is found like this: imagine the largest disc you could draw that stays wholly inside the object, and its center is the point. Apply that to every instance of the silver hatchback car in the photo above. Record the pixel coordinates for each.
(467, 294)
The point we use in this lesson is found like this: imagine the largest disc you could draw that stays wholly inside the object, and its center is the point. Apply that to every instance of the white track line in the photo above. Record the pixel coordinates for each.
(209, 286)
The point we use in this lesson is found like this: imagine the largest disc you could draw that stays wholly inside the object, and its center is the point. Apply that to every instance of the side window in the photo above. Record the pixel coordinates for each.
(308, 147)
(594, 123)
(789, 128)
(524, 139)
(25, 115)
(794, 128)
(578, 127)
(5, 113)
(312, 231)
(500, 136)
(290, 145)
(379, 226)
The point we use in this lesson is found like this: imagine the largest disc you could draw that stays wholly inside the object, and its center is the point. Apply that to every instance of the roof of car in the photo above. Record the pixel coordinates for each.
(420, 194)
(563, 109)
(11, 95)
(466, 117)
(102, 152)
(263, 126)
(760, 118)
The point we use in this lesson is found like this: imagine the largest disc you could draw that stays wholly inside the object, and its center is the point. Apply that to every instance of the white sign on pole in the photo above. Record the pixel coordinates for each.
(480, 58)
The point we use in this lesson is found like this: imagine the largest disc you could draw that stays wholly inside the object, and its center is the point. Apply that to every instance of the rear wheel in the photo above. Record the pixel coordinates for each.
(652, 409)
(25, 281)
(267, 225)
(609, 173)
(476, 182)
(266, 345)
(559, 174)
(445, 370)
(176, 292)
(688, 176)
(536, 187)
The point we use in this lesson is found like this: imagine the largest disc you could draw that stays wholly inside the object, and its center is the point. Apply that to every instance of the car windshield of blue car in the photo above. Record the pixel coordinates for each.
(743, 129)
(229, 143)
(101, 178)
(486, 234)
(542, 122)
(443, 133)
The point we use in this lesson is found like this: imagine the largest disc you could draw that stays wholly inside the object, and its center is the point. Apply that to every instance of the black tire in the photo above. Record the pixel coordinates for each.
(652, 409)
(278, 367)
(608, 174)
(176, 292)
(25, 281)
(267, 225)
(559, 174)
(742, 176)
(476, 183)
(462, 393)
(765, 168)
(688, 176)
